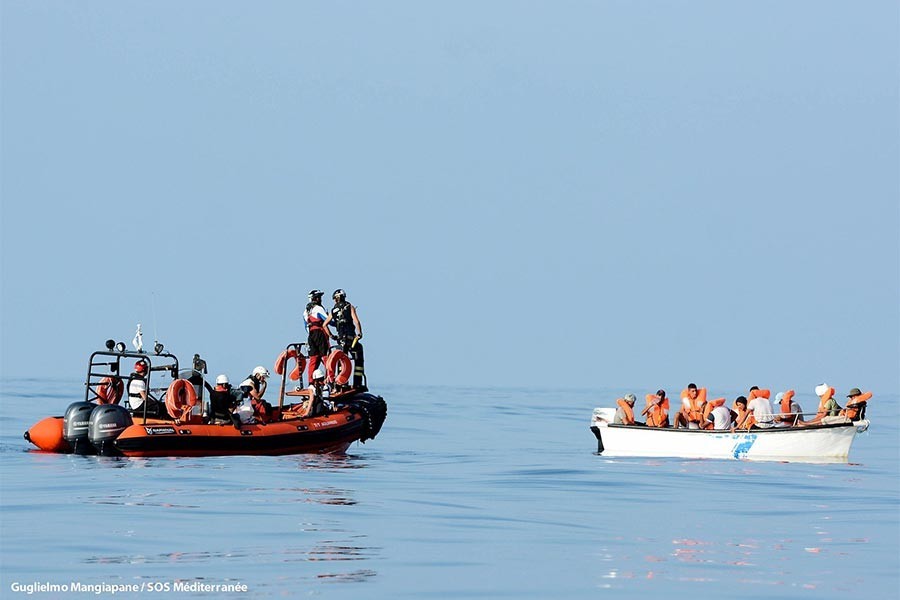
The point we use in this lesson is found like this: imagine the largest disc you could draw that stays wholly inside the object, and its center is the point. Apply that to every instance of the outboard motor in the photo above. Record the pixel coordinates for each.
(76, 423)
(107, 422)
(373, 410)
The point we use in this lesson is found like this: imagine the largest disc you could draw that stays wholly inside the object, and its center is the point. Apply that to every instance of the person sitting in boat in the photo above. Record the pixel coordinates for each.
(319, 394)
(856, 406)
(625, 410)
(693, 401)
(657, 409)
(349, 332)
(829, 410)
(317, 340)
(761, 407)
(139, 396)
(742, 416)
(222, 400)
(253, 408)
(790, 415)
(719, 416)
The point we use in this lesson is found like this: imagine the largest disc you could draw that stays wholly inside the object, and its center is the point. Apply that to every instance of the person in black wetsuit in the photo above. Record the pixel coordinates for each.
(344, 319)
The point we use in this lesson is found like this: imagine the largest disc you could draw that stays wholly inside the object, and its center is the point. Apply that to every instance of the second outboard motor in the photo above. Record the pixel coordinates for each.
(76, 423)
(107, 422)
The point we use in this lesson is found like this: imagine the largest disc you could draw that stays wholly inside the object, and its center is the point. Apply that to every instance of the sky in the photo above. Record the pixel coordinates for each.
(552, 194)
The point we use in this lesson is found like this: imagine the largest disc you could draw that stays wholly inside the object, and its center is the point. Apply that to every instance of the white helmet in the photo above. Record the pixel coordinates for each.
(319, 373)
(261, 371)
(222, 380)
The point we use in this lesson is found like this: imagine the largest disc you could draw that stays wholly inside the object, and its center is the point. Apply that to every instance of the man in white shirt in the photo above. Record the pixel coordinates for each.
(763, 413)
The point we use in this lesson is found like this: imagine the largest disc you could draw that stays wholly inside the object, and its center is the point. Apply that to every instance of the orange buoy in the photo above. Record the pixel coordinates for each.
(47, 434)
(338, 366)
(109, 390)
(181, 397)
(298, 367)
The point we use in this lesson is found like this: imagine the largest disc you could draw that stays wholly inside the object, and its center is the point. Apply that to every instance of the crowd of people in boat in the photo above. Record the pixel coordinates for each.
(245, 404)
(753, 411)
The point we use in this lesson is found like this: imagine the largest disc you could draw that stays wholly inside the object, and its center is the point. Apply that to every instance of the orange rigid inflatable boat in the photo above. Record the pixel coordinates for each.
(304, 421)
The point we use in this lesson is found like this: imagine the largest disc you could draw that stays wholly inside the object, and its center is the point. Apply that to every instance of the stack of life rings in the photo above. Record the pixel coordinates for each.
(337, 365)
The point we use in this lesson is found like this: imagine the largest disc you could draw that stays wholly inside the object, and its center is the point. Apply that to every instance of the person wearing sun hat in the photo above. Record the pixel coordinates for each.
(856, 406)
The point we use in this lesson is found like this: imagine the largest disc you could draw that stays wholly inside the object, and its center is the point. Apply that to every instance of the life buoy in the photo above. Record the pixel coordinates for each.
(109, 390)
(338, 366)
(181, 397)
(288, 354)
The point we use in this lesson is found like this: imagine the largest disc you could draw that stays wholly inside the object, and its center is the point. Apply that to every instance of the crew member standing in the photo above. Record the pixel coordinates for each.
(317, 342)
(349, 333)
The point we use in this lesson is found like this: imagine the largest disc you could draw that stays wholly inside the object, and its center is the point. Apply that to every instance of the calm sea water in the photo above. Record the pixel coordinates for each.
(466, 493)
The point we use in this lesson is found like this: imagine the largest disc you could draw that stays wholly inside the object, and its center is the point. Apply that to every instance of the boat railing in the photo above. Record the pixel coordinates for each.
(298, 348)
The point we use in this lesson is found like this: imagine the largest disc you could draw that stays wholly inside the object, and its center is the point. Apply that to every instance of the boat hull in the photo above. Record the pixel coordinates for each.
(358, 418)
(824, 443)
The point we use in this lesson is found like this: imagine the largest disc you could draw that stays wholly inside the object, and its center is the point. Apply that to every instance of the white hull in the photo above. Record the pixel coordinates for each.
(826, 443)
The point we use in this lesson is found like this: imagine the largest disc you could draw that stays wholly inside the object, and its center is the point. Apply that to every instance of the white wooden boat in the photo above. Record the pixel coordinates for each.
(819, 443)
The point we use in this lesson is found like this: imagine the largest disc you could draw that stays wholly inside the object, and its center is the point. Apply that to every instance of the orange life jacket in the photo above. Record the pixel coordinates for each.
(695, 406)
(626, 408)
(758, 394)
(825, 398)
(657, 416)
(854, 407)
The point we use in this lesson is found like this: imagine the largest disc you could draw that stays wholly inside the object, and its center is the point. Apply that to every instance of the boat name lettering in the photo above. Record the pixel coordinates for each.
(325, 424)
(159, 430)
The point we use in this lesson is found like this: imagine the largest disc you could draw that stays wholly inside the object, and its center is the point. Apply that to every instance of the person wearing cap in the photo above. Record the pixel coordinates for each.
(625, 410)
(856, 404)
(344, 319)
(317, 335)
(657, 409)
(791, 415)
(139, 398)
(222, 399)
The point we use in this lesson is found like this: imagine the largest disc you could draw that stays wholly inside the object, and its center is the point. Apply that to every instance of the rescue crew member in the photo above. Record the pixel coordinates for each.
(317, 342)
(349, 332)
(138, 395)
(856, 407)
(253, 408)
(222, 400)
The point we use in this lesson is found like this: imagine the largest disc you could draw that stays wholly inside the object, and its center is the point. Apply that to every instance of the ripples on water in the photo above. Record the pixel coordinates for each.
(465, 493)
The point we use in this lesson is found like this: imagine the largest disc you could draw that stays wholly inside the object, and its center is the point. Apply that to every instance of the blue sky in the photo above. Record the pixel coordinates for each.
(559, 194)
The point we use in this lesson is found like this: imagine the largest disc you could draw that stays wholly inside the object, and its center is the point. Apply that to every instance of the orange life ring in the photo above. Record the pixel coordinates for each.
(298, 367)
(339, 367)
(180, 398)
(109, 390)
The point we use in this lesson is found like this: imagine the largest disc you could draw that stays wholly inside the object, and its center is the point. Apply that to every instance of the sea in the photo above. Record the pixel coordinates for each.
(465, 493)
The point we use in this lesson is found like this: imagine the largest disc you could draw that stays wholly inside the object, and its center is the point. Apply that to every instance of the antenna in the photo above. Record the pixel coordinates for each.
(153, 303)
